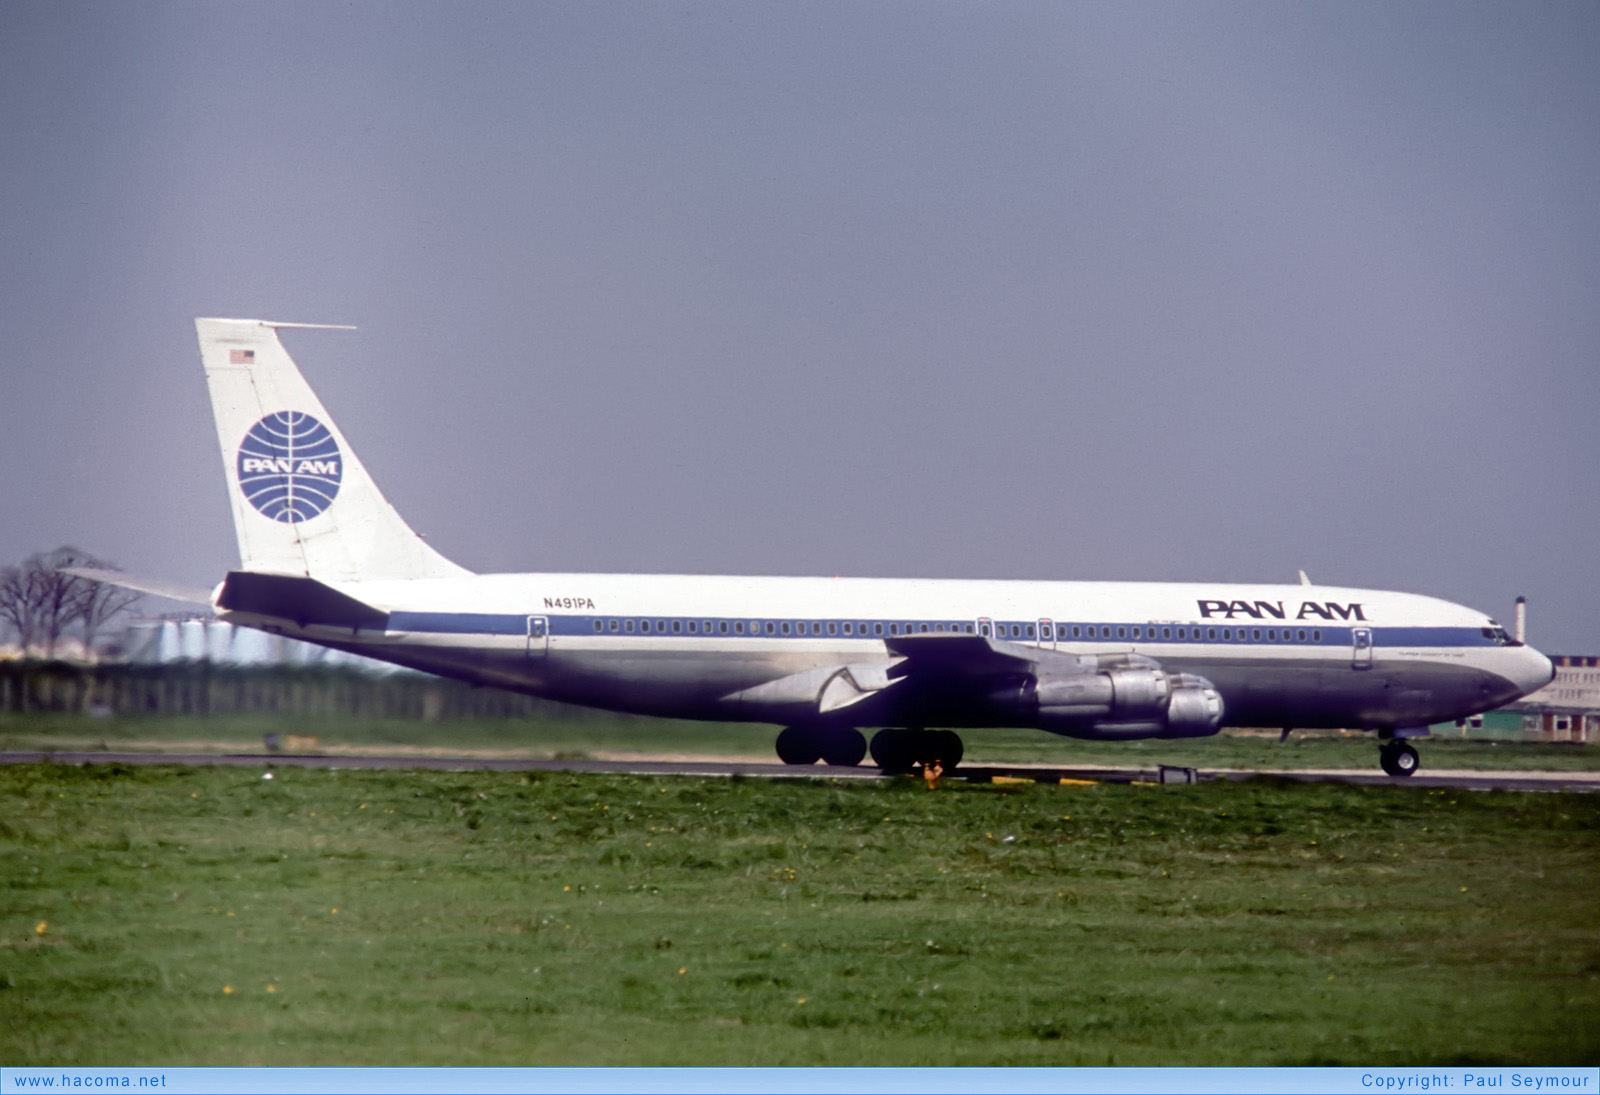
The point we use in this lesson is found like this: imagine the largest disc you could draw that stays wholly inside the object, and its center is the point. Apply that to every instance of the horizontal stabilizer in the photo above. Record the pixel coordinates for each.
(156, 587)
(303, 600)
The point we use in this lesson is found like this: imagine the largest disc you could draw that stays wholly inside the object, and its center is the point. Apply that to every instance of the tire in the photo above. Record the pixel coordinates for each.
(1399, 759)
(891, 750)
(843, 747)
(946, 748)
(799, 745)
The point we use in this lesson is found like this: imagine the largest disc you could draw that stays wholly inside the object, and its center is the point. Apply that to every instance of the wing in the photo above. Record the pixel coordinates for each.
(1084, 695)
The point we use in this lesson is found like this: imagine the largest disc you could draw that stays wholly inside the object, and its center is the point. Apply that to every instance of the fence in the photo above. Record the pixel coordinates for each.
(202, 688)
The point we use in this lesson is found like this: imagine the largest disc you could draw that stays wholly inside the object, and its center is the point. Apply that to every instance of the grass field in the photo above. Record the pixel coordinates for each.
(211, 916)
(603, 737)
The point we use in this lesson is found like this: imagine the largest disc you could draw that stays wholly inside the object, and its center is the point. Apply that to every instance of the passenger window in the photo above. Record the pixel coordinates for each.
(1076, 631)
(894, 629)
(738, 627)
(613, 625)
(677, 627)
(661, 626)
(627, 625)
(1301, 635)
(1272, 634)
(1028, 631)
(847, 628)
(833, 628)
(1316, 636)
(1256, 634)
(694, 627)
(983, 629)
(785, 628)
(771, 629)
(597, 625)
(644, 625)
(1183, 632)
(1122, 633)
(1136, 633)
(877, 629)
(1091, 630)
(938, 628)
(1227, 634)
(1211, 634)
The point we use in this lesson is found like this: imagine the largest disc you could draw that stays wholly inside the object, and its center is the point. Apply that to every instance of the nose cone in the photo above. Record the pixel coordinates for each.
(1532, 670)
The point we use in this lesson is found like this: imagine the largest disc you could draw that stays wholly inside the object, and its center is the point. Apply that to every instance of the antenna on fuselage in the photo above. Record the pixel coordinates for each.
(1303, 579)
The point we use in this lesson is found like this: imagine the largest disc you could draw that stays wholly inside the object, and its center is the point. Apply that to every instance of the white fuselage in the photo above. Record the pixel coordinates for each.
(712, 647)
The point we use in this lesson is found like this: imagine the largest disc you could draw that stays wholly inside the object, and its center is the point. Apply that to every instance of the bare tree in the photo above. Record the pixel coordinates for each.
(41, 603)
(57, 592)
(21, 597)
(98, 603)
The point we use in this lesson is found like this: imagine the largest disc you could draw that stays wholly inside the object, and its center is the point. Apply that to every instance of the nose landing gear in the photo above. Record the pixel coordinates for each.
(1398, 758)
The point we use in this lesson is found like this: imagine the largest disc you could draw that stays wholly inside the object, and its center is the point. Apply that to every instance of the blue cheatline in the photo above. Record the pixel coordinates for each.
(289, 466)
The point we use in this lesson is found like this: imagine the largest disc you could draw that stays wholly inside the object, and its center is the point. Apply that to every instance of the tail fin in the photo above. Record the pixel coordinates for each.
(302, 502)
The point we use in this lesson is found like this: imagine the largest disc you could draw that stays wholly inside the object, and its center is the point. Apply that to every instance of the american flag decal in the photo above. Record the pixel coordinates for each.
(241, 357)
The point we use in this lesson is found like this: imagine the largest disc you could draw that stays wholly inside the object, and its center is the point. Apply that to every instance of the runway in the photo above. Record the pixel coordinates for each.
(1456, 779)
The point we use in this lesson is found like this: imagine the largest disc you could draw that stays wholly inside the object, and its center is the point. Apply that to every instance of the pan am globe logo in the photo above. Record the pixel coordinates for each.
(289, 466)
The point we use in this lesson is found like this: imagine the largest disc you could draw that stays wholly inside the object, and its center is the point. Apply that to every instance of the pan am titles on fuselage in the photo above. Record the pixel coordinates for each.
(325, 558)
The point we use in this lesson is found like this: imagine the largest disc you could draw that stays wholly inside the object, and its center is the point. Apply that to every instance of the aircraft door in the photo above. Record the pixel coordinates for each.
(986, 627)
(1361, 648)
(1047, 634)
(538, 636)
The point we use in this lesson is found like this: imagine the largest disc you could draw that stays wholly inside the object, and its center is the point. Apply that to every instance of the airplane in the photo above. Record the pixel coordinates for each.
(326, 559)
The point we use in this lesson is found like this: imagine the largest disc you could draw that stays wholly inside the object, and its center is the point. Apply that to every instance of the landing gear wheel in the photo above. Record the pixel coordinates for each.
(843, 747)
(895, 749)
(1398, 758)
(899, 749)
(799, 745)
(946, 748)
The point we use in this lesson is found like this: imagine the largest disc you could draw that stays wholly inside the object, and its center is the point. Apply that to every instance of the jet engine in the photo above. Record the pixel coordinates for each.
(1117, 703)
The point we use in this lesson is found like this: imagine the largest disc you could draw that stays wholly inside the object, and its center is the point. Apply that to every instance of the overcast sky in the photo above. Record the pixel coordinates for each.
(1169, 291)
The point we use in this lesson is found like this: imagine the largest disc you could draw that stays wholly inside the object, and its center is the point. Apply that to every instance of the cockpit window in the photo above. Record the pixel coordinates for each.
(1498, 636)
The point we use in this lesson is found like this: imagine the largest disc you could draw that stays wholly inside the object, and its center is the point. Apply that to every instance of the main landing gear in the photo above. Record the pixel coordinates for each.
(900, 750)
(1398, 758)
(842, 746)
(894, 750)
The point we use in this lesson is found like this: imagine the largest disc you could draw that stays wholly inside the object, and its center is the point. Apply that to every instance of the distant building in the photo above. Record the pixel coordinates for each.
(208, 639)
(1566, 709)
